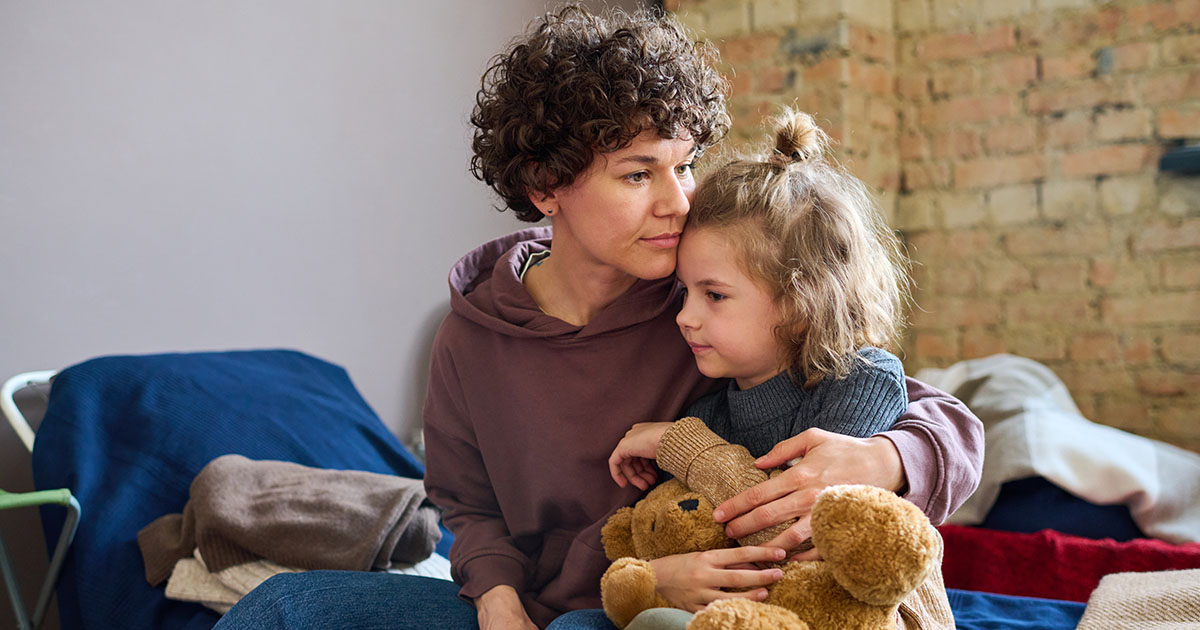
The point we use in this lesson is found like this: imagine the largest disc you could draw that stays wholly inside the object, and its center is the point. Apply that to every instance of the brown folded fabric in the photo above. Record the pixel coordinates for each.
(241, 510)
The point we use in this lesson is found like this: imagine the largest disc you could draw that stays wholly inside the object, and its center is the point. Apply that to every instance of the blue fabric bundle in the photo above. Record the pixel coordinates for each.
(989, 611)
(128, 434)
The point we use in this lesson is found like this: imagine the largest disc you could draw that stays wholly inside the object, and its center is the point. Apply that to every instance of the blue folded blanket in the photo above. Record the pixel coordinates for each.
(128, 434)
(988, 611)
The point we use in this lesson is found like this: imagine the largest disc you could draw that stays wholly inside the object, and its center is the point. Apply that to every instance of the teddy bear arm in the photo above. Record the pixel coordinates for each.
(627, 588)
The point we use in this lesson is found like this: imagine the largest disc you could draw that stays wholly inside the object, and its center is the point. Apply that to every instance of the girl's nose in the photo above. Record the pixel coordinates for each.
(686, 319)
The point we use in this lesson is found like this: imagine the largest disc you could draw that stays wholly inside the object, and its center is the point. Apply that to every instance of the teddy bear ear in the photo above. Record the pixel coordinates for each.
(617, 535)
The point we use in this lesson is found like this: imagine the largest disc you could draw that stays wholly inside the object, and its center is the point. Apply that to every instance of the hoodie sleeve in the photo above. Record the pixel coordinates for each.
(483, 554)
(941, 447)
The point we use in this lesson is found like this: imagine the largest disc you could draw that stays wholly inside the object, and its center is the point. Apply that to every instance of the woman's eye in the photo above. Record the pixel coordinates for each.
(638, 177)
(684, 169)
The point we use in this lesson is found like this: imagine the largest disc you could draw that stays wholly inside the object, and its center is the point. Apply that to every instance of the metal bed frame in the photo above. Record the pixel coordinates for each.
(12, 500)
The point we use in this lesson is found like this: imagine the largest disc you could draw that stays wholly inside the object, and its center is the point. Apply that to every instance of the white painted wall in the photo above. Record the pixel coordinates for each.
(200, 176)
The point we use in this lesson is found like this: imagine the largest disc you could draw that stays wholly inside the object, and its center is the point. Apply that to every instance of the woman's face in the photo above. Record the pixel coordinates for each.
(625, 213)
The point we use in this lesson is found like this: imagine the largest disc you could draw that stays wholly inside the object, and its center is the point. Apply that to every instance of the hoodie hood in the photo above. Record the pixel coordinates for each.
(486, 289)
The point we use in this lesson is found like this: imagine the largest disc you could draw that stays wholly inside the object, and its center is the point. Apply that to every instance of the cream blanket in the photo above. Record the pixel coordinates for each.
(1033, 428)
(1160, 600)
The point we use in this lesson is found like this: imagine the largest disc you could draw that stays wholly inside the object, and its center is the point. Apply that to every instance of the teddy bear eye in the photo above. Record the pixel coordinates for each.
(689, 505)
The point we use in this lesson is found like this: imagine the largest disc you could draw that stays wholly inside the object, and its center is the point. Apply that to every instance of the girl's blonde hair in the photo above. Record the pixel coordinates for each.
(811, 233)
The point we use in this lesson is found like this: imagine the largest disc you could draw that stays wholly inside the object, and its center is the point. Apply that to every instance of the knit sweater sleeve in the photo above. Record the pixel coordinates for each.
(866, 402)
(941, 448)
(483, 554)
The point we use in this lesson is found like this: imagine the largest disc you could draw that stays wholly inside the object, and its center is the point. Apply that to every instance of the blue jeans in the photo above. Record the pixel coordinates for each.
(334, 600)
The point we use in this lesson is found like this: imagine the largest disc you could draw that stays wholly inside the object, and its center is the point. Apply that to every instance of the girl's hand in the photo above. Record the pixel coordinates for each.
(632, 460)
(694, 580)
(500, 609)
(827, 459)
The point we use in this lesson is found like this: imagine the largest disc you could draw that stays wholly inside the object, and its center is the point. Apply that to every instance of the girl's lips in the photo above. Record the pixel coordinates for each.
(697, 348)
(664, 241)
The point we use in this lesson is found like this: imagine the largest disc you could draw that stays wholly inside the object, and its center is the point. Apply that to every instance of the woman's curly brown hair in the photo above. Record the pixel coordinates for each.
(579, 83)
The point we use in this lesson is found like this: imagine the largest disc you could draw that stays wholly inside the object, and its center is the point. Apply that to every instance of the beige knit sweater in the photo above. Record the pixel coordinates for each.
(707, 464)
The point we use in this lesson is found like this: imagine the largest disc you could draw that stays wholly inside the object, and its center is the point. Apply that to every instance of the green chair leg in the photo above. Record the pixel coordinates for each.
(29, 499)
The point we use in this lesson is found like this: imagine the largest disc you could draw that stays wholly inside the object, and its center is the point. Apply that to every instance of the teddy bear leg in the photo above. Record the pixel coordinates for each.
(627, 588)
(743, 614)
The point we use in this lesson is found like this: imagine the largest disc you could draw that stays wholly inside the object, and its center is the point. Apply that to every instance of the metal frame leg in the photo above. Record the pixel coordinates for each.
(46, 497)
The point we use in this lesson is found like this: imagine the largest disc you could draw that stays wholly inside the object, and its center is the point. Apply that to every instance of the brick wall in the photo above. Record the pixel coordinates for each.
(1016, 145)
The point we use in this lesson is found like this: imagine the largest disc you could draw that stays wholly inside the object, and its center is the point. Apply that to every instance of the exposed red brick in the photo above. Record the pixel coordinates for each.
(873, 77)
(1076, 240)
(957, 143)
(1069, 275)
(1163, 235)
(1110, 160)
(1137, 348)
(981, 343)
(966, 45)
(1179, 123)
(1170, 86)
(827, 70)
(936, 345)
(1161, 382)
(1159, 15)
(922, 175)
(1013, 137)
(970, 109)
(1044, 309)
(944, 311)
(1097, 346)
(913, 85)
(1137, 56)
(1123, 124)
(956, 80)
(1181, 274)
(1181, 347)
(749, 49)
(1157, 308)
(1010, 73)
(996, 171)
(872, 43)
(1068, 131)
(1080, 95)
(1074, 65)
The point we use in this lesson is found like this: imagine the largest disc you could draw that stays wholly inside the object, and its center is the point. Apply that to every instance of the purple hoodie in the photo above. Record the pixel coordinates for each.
(523, 410)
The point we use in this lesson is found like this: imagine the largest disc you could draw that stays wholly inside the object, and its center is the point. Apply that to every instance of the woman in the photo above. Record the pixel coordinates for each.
(559, 340)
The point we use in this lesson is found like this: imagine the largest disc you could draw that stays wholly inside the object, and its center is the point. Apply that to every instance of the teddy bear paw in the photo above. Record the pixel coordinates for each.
(743, 614)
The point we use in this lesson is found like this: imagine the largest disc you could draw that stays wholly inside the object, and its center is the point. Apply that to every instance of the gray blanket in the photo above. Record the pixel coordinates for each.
(241, 510)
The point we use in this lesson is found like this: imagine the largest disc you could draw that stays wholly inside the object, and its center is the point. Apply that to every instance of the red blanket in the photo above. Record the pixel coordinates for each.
(1050, 564)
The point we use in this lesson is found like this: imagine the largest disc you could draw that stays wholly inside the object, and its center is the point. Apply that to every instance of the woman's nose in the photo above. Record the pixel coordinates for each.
(675, 198)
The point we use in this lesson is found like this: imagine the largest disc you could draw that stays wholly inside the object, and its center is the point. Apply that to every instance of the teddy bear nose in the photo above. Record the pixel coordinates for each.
(689, 505)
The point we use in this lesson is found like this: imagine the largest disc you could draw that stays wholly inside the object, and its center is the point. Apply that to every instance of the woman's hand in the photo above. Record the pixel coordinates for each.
(694, 580)
(500, 609)
(632, 460)
(827, 459)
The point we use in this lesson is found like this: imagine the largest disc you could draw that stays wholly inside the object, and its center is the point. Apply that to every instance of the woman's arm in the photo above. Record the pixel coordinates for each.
(933, 456)
(484, 560)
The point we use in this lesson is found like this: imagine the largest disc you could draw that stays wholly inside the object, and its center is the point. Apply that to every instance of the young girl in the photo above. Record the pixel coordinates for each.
(794, 287)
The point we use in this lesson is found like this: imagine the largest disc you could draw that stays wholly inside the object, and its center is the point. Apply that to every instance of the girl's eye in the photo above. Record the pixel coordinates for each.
(715, 297)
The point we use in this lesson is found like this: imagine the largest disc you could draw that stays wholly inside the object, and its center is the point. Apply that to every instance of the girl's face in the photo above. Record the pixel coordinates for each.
(625, 213)
(728, 319)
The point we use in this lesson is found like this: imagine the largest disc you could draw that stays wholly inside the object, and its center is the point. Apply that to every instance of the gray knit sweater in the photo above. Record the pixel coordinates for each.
(866, 402)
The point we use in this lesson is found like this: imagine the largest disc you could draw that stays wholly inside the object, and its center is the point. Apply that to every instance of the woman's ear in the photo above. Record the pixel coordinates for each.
(546, 202)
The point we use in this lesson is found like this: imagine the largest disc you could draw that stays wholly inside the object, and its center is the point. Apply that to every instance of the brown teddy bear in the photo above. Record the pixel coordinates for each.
(877, 549)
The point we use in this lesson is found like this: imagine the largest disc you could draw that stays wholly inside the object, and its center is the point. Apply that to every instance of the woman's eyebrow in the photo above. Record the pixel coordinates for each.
(648, 159)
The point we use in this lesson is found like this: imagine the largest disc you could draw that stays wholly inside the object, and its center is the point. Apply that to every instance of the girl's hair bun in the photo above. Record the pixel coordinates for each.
(797, 138)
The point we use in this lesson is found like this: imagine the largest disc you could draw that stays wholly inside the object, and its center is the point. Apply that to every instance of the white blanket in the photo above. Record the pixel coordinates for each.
(1033, 428)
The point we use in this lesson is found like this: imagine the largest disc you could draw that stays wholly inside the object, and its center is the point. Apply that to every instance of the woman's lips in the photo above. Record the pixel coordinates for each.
(663, 241)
